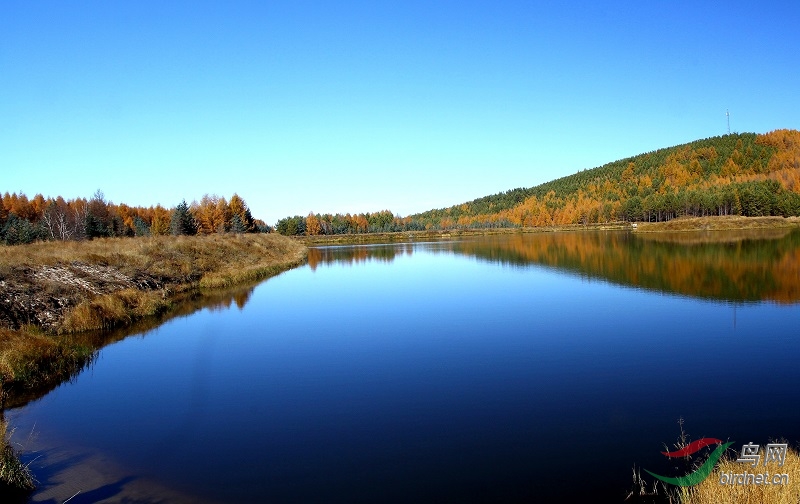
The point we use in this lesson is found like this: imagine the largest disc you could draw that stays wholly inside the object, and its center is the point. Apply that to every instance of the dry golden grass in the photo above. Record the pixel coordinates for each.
(186, 257)
(711, 491)
(31, 357)
(109, 310)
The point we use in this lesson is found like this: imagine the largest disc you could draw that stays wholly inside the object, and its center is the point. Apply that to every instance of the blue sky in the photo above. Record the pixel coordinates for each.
(306, 106)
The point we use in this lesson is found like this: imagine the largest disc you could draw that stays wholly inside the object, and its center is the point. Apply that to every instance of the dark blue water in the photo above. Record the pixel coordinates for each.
(431, 372)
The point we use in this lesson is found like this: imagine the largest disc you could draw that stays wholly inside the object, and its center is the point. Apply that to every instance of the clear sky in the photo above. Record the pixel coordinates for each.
(342, 106)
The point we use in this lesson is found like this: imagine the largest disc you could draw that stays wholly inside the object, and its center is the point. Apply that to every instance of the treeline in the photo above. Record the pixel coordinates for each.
(376, 222)
(330, 224)
(24, 220)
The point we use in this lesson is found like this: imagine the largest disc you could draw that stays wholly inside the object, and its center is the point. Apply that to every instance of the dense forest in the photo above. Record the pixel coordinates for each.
(740, 174)
(24, 220)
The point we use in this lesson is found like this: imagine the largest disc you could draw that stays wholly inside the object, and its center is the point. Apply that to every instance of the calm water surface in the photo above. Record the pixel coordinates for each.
(513, 368)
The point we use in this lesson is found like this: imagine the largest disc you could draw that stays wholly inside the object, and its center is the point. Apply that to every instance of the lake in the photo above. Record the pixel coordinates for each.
(507, 368)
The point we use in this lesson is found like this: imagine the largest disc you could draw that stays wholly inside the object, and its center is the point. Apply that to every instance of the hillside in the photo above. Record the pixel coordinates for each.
(741, 174)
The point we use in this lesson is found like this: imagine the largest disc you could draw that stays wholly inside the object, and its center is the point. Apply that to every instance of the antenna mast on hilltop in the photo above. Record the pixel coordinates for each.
(728, 116)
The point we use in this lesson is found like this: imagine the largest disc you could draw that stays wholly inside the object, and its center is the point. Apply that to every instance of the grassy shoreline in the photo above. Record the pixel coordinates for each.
(717, 223)
(56, 294)
(53, 291)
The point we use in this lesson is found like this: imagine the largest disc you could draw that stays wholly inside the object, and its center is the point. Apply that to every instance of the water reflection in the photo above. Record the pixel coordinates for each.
(357, 254)
(215, 300)
(737, 266)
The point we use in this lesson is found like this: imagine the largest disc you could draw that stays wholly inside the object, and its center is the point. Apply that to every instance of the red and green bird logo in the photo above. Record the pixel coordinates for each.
(704, 470)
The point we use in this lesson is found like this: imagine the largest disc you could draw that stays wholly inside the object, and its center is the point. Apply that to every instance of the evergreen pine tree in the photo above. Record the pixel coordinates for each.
(249, 222)
(182, 221)
(140, 227)
(18, 231)
(237, 226)
(94, 227)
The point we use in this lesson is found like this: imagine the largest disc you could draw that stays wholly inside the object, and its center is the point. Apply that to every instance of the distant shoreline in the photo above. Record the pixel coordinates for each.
(433, 235)
(712, 223)
(717, 223)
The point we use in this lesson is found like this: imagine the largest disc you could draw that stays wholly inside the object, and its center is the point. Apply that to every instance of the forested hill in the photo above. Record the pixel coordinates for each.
(742, 174)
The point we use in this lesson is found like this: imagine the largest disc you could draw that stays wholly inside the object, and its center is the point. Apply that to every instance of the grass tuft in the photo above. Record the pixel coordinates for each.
(14, 475)
(102, 312)
(30, 358)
